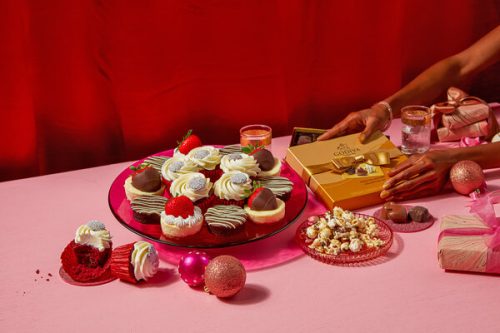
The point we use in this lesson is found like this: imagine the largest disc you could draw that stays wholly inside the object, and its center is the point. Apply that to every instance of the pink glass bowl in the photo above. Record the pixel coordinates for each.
(348, 257)
(120, 207)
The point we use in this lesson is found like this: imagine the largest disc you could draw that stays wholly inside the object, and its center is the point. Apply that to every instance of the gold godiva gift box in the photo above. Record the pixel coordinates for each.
(343, 172)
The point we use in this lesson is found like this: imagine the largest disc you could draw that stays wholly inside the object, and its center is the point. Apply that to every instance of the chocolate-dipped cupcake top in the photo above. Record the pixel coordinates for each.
(147, 180)
(263, 199)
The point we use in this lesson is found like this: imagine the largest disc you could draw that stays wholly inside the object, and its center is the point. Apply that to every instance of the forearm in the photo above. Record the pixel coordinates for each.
(487, 155)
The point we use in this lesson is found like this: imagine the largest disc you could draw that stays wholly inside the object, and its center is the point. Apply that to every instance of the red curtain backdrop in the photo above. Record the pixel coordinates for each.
(84, 83)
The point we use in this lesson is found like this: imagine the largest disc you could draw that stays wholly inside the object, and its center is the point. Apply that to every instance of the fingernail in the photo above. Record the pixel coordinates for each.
(384, 194)
(386, 185)
(362, 138)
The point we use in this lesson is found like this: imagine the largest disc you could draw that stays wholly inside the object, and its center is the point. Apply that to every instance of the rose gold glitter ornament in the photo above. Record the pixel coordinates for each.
(225, 276)
(466, 177)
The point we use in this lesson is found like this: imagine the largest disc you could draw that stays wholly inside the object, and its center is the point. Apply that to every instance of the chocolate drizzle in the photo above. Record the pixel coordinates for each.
(231, 149)
(156, 161)
(224, 219)
(279, 185)
(148, 208)
(147, 181)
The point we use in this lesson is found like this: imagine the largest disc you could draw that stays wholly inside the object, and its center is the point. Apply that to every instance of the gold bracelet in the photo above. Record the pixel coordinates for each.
(388, 108)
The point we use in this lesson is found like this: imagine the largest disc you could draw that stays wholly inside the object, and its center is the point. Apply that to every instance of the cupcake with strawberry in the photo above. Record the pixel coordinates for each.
(232, 188)
(181, 218)
(263, 207)
(86, 257)
(196, 187)
(134, 262)
(268, 164)
(144, 181)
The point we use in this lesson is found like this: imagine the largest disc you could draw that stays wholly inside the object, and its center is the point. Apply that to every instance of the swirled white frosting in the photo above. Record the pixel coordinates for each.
(240, 162)
(144, 259)
(93, 234)
(193, 185)
(176, 166)
(233, 185)
(180, 221)
(206, 157)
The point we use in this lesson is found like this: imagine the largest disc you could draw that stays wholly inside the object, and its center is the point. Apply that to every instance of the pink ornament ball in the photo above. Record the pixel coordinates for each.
(225, 276)
(466, 177)
(192, 268)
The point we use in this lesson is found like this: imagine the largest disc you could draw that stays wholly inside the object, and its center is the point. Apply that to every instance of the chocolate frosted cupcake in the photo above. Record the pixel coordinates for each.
(147, 209)
(280, 186)
(156, 161)
(224, 220)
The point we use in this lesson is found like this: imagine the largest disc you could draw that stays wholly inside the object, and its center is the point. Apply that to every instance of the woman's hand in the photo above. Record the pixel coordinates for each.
(418, 176)
(367, 121)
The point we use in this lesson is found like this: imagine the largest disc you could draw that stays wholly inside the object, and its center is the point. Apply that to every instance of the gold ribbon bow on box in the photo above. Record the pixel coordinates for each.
(340, 164)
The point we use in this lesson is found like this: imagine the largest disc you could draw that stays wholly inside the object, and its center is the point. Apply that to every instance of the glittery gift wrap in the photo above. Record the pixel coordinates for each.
(466, 252)
(349, 191)
(120, 263)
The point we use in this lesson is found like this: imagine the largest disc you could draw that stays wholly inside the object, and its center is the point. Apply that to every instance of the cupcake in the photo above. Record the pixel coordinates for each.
(180, 218)
(280, 186)
(232, 188)
(86, 258)
(208, 159)
(225, 220)
(147, 209)
(193, 185)
(134, 262)
(263, 207)
(146, 181)
(175, 167)
(240, 162)
(268, 164)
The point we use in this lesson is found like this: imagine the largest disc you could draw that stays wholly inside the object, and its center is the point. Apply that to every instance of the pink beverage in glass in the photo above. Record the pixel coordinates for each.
(256, 135)
(416, 129)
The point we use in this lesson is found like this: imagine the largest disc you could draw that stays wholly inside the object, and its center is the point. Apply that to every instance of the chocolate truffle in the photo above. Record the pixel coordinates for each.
(386, 208)
(398, 214)
(224, 220)
(147, 181)
(264, 200)
(264, 158)
(303, 139)
(419, 214)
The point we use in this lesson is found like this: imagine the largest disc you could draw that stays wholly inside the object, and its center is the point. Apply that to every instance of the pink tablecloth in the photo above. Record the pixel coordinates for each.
(286, 291)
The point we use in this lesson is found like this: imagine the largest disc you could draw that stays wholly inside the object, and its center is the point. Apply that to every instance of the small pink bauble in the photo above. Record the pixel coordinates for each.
(225, 276)
(466, 177)
(192, 267)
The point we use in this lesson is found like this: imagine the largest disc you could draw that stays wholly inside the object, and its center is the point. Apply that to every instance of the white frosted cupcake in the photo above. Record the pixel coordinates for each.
(134, 262)
(206, 157)
(193, 185)
(232, 188)
(180, 218)
(240, 162)
(176, 166)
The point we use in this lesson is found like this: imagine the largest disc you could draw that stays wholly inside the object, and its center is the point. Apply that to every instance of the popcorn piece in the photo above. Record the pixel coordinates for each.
(312, 232)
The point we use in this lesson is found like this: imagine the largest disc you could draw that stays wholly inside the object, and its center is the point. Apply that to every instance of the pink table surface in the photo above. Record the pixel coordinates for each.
(286, 290)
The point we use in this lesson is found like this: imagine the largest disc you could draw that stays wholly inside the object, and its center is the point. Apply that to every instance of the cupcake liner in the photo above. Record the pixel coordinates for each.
(84, 263)
(120, 263)
(213, 175)
(220, 201)
(206, 203)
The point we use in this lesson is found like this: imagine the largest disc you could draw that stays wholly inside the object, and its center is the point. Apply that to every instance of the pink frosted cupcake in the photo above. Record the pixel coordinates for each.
(134, 262)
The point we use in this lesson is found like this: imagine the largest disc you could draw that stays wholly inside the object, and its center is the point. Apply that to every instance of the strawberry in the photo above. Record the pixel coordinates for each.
(251, 149)
(140, 168)
(189, 142)
(179, 206)
(254, 194)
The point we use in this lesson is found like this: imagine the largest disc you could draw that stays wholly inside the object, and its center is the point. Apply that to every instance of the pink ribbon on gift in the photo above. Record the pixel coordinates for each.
(483, 208)
(470, 141)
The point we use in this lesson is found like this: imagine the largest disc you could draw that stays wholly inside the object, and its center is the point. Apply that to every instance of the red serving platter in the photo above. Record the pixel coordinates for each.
(120, 207)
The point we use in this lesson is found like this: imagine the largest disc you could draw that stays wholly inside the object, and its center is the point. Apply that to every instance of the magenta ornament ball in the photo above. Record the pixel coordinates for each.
(466, 177)
(192, 268)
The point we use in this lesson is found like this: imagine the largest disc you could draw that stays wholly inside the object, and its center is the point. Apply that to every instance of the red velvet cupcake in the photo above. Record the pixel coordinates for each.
(232, 188)
(134, 262)
(86, 258)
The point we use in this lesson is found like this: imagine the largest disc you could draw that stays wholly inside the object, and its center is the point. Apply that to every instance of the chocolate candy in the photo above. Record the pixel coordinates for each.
(223, 220)
(147, 181)
(264, 158)
(264, 200)
(419, 214)
(394, 212)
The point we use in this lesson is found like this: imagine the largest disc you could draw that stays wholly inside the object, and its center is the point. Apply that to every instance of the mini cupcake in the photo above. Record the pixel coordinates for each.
(225, 220)
(208, 159)
(181, 218)
(263, 207)
(147, 209)
(280, 186)
(240, 162)
(145, 181)
(134, 262)
(196, 187)
(86, 258)
(232, 188)
(268, 164)
(175, 167)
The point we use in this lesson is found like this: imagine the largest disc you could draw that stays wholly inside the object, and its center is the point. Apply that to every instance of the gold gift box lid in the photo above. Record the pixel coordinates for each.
(339, 189)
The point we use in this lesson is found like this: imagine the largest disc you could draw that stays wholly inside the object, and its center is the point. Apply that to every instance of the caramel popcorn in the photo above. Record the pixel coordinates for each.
(340, 231)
